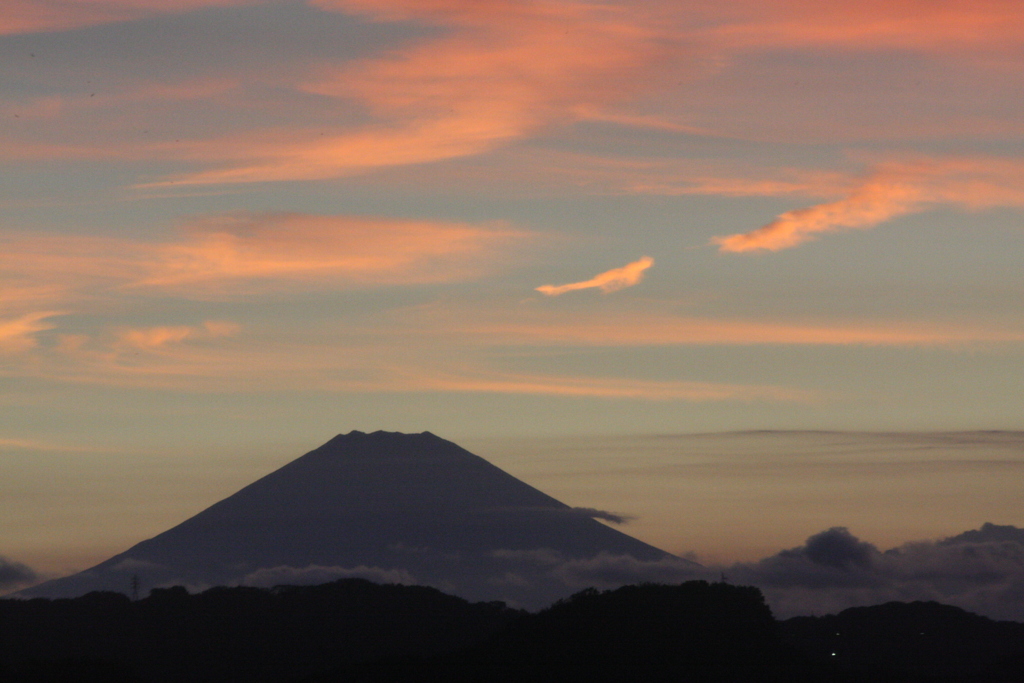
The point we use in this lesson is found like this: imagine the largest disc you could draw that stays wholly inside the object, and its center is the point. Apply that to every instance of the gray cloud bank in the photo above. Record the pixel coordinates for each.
(14, 574)
(981, 571)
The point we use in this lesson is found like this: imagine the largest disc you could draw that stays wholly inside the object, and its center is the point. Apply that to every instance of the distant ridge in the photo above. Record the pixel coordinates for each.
(393, 507)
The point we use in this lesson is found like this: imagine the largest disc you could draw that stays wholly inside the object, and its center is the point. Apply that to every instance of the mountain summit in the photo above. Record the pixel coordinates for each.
(409, 508)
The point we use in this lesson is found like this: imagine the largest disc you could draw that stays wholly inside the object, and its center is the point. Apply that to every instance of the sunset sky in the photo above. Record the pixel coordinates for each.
(233, 229)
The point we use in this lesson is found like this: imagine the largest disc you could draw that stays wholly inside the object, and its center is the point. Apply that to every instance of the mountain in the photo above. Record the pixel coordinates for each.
(396, 508)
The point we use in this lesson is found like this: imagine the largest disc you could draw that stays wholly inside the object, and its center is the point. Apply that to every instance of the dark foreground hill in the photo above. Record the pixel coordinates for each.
(234, 634)
(355, 631)
(408, 508)
(917, 641)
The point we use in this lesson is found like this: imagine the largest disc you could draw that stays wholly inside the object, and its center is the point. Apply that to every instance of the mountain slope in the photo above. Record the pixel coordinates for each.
(388, 506)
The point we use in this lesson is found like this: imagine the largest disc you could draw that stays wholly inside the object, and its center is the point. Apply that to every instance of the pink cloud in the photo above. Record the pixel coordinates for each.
(598, 387)
(505, 71)
(18, 334)
(893, 190)
(152, 338)
(653, 325)
(609, 281)
(876, 201)
(236, 253)
(206, 358)
(34, 16)
(872, 24)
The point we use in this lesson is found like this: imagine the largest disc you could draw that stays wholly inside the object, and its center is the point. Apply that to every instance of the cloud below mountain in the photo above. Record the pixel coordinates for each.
(981, 571)
(13, 574)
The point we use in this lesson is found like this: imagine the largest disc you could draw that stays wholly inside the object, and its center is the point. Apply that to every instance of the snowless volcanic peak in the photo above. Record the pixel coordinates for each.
(408, 508)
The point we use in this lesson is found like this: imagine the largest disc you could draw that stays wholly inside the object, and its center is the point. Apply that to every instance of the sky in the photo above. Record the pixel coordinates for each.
(233, 229)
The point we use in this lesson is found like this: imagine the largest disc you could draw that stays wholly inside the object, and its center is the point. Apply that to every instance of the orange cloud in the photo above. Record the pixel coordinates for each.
(532, 171)
(609, 281)
(240, 253)
(871, 24)
(895, 189)
(645, 331)
(302, 247)
(539, 327)
(162, 361)
(876, 201)
(503, 71)
(152, 338)
(610, 388)
(18, 334)
(34, 16)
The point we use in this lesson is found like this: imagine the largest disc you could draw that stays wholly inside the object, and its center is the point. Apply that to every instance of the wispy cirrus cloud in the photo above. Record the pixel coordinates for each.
(18, 334)
(907, 24)
(198, 359)
(894, 189)
(326, 249)
(244, 252)
(501, 73)
(34, 16)
(490, 381)
(609, 281)
(877, 200)
(219, 257)
(151, 338)
(655, 326)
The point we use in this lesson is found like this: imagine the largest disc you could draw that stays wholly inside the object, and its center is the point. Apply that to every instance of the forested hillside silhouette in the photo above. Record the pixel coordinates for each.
(353, 630)
(238, 634)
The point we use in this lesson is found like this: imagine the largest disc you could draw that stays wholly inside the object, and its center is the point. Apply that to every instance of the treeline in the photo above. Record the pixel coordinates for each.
(353, 631)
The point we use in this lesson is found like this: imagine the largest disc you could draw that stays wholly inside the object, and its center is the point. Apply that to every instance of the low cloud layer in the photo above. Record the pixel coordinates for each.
(14, 574)
(609, 281)
(981, 571)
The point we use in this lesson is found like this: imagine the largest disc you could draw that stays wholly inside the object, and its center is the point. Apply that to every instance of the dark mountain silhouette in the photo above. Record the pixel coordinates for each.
(408, 508)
